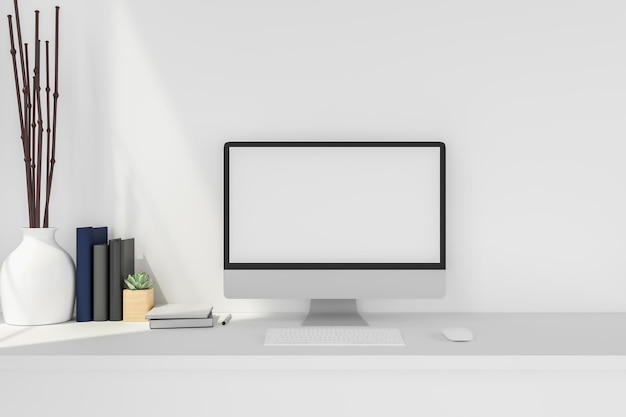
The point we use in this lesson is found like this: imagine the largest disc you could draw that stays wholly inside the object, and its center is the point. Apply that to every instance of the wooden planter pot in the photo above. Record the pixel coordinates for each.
(137, 303)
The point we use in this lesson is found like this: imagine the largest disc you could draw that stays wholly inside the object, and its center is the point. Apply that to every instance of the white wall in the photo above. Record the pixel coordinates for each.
(528, 96)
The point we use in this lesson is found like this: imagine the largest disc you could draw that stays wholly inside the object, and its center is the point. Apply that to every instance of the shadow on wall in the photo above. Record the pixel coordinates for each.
(142, 265)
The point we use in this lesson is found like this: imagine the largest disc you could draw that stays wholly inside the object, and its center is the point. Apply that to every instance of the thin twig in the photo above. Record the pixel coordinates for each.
(19, 42)
(33, 126)
(15, 73)
(26, 124)
(37, 93)
(45, 213)
(19, 106)
(31, 115)
(30, 144)
(54, 110)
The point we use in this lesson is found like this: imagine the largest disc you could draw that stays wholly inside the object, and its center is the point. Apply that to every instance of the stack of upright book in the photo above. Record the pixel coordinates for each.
(175, 316)
(100, 271)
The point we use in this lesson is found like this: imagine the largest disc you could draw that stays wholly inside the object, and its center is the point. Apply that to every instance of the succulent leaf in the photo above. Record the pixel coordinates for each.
(139, 281)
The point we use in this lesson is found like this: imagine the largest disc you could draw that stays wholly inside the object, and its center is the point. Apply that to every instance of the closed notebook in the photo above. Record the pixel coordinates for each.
(181, 323)
(180, 311)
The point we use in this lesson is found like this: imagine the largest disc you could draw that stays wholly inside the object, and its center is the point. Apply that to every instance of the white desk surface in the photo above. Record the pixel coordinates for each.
(533, 341)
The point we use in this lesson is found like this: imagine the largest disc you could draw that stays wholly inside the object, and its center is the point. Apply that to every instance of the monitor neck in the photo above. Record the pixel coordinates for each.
(333, 313)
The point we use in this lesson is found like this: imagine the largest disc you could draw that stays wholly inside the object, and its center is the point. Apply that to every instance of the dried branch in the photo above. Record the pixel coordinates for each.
(15, 74)
(55, 96)
(20, 109)
(31, 114)
(29, 142)
(19, 42)
(48, 130)
(39, 124)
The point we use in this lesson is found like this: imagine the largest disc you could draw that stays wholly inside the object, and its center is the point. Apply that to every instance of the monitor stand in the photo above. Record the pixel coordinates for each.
(333, 313)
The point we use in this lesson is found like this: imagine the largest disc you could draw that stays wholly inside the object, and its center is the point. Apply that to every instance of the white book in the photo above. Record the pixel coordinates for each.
(180, 311)
(181, 323)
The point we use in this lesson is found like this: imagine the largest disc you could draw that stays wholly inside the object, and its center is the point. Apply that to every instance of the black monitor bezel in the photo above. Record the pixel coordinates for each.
(303, 266)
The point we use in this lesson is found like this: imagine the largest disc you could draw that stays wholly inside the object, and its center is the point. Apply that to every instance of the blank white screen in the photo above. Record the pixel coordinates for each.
(334, 204)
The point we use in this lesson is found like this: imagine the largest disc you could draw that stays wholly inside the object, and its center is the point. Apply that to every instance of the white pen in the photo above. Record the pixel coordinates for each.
(226, 319)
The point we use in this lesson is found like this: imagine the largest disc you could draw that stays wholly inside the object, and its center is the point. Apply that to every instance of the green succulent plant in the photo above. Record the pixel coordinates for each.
(139, 281)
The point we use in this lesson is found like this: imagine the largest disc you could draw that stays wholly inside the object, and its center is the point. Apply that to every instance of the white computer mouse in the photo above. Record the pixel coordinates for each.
(457, 334)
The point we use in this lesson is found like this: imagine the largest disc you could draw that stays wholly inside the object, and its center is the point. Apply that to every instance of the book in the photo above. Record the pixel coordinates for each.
(128, 259)
(86, 238)
(180, 311)
(101, 282)
(115, 279)
(181, 323)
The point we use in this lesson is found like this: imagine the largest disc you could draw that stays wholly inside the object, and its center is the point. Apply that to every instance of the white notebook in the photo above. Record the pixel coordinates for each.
(180, 311)
(180, 323)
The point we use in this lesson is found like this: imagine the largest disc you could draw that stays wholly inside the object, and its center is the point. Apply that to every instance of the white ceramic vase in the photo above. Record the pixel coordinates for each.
(37, 281)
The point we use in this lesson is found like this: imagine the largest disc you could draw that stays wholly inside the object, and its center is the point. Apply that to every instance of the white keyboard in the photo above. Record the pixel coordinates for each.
(334, 336)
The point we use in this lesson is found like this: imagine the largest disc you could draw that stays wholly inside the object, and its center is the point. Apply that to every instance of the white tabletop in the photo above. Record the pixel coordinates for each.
(501, 341)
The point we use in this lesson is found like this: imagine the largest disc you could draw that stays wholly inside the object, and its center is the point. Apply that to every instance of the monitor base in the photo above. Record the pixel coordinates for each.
(334, 313)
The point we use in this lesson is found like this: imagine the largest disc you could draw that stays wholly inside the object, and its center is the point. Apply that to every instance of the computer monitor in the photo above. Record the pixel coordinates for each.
(334, 222)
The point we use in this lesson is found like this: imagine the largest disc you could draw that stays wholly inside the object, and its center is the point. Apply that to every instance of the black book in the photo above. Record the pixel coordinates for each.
(101, 282)
(128, 258)
(115, 279)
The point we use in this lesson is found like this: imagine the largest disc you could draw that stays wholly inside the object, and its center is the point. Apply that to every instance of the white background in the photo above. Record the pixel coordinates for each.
(528, 96)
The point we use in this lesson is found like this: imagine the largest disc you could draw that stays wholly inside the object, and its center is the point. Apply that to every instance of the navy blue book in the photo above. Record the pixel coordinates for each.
(86, 238)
